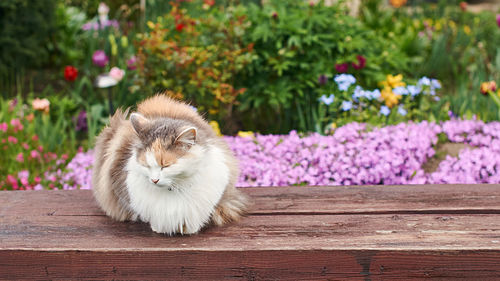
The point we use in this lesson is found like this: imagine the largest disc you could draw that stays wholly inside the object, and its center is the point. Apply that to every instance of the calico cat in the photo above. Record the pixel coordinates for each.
(167, 167)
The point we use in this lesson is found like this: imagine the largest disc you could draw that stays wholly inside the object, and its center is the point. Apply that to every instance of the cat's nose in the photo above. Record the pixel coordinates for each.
(155, 181)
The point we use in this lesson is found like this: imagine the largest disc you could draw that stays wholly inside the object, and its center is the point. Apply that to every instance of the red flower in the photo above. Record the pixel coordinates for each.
(463, 6)
(70, 73)
(179, 27)
(209, 2)
(342, 67)
(361, 63)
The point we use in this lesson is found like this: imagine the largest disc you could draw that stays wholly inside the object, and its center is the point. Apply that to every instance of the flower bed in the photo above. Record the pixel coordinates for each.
(355, 155)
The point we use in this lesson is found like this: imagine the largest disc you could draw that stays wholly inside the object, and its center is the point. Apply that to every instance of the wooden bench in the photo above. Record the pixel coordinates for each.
(363, 233)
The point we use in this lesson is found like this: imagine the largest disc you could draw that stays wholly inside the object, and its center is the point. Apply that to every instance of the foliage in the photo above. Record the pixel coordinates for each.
(196, 58)
(297, 42)
(20, 47)
(447, 42)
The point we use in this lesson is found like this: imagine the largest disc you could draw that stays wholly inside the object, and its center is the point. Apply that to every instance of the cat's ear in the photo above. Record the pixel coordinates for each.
(139, 122)
(187, 137)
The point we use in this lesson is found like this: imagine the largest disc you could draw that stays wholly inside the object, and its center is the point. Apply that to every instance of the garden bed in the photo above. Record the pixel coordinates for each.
(357, 155)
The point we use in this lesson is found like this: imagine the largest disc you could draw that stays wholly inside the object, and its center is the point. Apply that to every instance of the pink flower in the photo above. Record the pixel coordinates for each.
(24, 181)
(3, 127)
(116, 73)
(20, 157)
(40, 148)
(38, 187)
(38, 180)
(25, 146)
(16, 124)
(131, 63)
(24, 174)
(64, 156)
(99, 58)
(34, 154)
(34, 138)
(41, 105)
(12, 139)
(12, 181)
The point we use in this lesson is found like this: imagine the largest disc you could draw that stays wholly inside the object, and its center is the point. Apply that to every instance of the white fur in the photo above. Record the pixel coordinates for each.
(186, 194)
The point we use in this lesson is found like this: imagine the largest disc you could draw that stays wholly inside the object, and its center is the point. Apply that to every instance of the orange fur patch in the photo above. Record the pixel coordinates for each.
(164, 157)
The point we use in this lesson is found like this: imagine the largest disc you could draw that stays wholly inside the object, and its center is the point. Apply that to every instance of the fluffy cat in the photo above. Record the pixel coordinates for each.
(166, 166)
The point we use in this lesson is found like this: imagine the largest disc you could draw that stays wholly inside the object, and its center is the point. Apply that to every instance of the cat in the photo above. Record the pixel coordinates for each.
(167, 167)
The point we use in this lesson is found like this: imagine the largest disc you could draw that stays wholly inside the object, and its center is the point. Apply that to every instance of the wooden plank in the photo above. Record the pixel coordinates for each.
(299, 232)
(297, 200)
(250, 265)
(291, 233)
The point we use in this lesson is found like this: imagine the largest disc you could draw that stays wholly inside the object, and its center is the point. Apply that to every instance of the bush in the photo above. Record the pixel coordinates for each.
(297, 43)
(20, 46)
(197, 57)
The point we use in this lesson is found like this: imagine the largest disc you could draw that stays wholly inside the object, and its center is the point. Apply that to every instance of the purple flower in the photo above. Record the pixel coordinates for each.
(353, 155)
(132, 63)
(99, 58)
(102, 24)
(322, 79)
(81, 122)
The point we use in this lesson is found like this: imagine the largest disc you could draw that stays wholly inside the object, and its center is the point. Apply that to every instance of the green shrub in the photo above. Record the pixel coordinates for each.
(196, 58)
(25, 30)
(297, 42)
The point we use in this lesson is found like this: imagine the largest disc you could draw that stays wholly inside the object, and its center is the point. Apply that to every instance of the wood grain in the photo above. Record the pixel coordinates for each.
(291, 233)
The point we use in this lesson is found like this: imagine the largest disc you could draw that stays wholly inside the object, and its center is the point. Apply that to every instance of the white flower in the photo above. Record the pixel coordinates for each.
(105, 81)
(103, 9)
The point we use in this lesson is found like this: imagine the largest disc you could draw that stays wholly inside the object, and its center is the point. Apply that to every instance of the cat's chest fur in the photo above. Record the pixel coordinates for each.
(187, 205)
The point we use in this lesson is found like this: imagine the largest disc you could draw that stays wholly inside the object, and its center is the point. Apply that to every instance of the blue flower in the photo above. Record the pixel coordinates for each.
(358, 93)
(414, 90)
(402, 111)
(435, 84)
(346, 105)
(384, 110)
(424, 81)
(327, 100)
(436, 98)
(344, 81)
(402, 91)
(375, 94)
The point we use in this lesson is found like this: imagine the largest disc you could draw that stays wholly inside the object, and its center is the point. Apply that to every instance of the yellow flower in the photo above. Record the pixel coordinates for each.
(215, 127)
(389, 97)
(245, 134)
(393, 81)
(452, 24)
(397, 3)
(467, 29)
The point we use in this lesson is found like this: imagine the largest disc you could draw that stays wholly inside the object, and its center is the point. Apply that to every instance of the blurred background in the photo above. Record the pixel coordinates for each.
(267, 67)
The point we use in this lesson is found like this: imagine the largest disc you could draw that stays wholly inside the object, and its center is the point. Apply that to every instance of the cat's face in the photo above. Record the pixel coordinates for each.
(168, 151)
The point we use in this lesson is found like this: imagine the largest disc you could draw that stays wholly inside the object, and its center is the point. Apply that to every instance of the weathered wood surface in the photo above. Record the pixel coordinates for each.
(310, 233)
